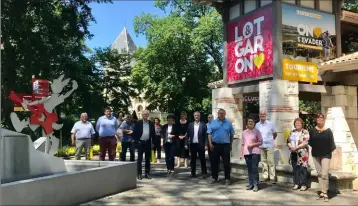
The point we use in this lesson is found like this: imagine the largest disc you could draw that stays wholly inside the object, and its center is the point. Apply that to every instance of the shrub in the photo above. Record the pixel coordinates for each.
(95, 149)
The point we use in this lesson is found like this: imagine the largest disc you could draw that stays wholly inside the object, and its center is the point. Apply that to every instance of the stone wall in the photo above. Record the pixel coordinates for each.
(279, 98)
(340, 106)
(232, 103)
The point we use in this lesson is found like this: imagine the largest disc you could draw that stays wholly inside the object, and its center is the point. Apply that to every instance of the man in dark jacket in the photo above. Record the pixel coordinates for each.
(143, 134)
(196, 137)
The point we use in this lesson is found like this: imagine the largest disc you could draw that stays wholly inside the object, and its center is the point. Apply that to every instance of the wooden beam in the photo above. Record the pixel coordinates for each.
(312, 88)
(350, 80)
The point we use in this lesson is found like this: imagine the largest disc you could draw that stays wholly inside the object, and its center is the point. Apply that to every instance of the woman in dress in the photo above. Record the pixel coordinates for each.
(322, 143)
(250, 149)
(181, 151)
(297, 142)
(157, 140)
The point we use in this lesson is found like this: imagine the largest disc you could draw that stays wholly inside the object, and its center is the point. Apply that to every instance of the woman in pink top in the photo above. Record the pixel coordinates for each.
(250, 149)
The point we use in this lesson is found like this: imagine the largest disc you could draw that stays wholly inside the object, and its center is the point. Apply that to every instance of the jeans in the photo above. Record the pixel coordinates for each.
(223, 151)
(144, 147)
(108, 144)
(157, 148)
(169, 149)
(299, 172)
(125, 146)
(252, 163)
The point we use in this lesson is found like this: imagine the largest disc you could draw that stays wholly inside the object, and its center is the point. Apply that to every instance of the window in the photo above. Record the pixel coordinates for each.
(308, 4)
(250, 5)
(290, 1)
(235, 11)
(326, 6)
(265, 2)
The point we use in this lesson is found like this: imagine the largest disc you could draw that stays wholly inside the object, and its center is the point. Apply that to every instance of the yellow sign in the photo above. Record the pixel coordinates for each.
(299, 71)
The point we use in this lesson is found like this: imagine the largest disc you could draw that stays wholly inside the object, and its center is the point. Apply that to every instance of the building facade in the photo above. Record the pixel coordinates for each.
(284, 51)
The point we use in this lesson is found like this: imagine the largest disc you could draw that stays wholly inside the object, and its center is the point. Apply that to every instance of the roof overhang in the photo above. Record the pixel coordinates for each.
(208, 2)
(341, 64)
(349, 17)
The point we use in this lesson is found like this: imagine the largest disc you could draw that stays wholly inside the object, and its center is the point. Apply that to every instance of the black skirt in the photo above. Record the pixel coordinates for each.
(180, 149)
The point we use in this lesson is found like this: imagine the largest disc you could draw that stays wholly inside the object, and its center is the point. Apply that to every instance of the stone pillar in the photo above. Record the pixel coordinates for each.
(340, 106)
(279, 98)
(232, 104)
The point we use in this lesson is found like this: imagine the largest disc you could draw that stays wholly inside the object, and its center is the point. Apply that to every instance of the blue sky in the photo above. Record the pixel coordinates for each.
(111, 19)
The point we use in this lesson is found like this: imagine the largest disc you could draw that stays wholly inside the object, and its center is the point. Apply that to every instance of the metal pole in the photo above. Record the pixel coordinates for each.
(60, 138)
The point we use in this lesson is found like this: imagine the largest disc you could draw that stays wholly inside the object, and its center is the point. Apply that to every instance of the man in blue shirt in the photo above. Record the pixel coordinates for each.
(106, 127)
(220, 137)
(127, 141)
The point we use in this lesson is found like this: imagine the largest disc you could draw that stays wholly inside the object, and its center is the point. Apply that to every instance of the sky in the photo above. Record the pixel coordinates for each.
(111, 19)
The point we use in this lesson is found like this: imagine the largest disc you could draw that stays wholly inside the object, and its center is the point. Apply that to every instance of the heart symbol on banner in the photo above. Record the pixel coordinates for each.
(259, 60)
(317, 32)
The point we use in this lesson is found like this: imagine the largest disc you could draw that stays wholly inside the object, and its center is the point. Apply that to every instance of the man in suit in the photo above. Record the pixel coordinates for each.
(196, 137)
(143, 134)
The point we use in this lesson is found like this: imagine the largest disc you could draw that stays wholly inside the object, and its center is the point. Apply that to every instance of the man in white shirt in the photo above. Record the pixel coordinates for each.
(197, 139)
(82, 131)
(269, 134)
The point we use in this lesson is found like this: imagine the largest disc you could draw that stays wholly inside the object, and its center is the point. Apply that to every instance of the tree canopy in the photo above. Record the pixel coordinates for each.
(182, 56)
(46, 39)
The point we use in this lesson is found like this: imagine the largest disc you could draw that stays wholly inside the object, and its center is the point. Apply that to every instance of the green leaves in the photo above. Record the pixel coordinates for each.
(46, 38)
(182, 56)
(115, 68)
(351, 5)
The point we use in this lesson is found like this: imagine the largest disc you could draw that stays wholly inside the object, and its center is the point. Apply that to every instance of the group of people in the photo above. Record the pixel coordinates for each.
(258, 142)
(183, 139)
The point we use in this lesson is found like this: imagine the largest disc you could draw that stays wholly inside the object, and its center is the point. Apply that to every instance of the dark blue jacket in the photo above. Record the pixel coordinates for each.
(202, 136)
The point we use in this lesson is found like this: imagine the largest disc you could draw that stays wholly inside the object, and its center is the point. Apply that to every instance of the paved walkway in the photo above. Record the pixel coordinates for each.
(181, 189)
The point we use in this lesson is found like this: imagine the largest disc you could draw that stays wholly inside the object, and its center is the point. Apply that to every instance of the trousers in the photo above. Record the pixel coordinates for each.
(223, 151)
(80, 144)
(252, 163)
(195, 151)
(169, 149)
(144, 147)
(107, 144)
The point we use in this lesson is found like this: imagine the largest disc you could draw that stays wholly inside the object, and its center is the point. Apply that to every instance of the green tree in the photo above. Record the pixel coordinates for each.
(115, 68)
(182, 56)
(46, 38)
(351, 5)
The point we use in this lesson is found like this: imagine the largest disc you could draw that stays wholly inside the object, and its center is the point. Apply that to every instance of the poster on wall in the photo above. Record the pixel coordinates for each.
(308, 33)
(250, 47)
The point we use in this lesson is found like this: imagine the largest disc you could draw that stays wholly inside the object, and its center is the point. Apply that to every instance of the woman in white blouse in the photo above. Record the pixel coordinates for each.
(168, 135)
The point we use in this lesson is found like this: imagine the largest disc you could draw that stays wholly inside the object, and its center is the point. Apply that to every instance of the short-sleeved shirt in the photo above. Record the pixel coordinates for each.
(250, 137)
(221, 131)
(126, 126)
(83, 130)
(267, 129)
(107, 126)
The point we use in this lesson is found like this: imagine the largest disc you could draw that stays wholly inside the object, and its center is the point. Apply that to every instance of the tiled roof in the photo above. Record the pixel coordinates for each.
(216, 84)
(124, 42)
(350, 58)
